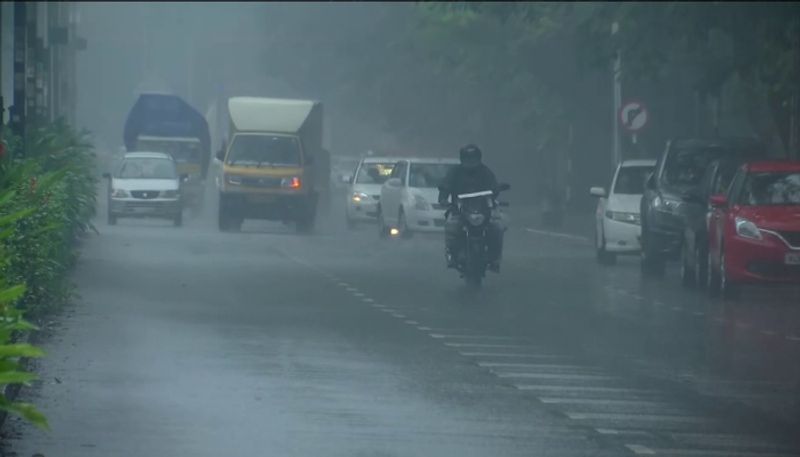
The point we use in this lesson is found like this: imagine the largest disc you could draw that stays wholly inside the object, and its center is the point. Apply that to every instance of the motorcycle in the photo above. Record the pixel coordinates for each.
(476, 211)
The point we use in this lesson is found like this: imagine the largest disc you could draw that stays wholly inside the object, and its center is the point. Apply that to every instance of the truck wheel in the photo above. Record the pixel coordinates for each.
(307, 217)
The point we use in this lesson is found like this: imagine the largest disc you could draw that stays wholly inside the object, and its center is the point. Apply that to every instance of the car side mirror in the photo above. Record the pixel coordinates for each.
(718, 201)
(597, 192)
(502, 187)
(107, 175)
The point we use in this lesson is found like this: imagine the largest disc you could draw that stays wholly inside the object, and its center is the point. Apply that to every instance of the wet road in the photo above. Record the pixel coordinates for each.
(188, 342)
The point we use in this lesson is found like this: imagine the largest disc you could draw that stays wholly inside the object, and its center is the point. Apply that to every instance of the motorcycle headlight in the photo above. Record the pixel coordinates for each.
(358, 197)
(620, 216)
(120, 193)
(747, 229)
(476, 219)
(170, 194)
(420, 203)
(235, 180)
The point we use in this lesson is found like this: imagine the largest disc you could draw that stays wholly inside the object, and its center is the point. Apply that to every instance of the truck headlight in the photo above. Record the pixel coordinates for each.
(420, 203)
(358, 197)
(291, 183)
(120, 193)
(747, 229)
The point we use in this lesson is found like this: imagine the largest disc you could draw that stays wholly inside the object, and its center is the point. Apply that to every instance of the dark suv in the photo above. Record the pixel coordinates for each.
(673, 190)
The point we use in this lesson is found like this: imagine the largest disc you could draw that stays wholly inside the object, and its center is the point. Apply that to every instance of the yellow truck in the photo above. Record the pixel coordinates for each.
(268, 164)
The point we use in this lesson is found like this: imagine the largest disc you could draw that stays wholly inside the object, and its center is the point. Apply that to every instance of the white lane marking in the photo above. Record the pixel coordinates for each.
(344, 284)
(559, 234)
(541, 366)
(472, 337)
(564, 376)
(601, 401)
(513, 355)
(367, 300)
(658, 303)
(481, 345)
(581, 389)
(399, 316)
(793, 338)
(424, 329)
(719, 320)
(637, 417)
(699, 313)
(638, 449)
(677, 309)
(607, 431)
(359, 294)
(410, 322)
(768, 333)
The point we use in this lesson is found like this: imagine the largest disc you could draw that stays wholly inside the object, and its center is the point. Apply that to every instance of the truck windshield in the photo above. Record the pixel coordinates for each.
(264, 150)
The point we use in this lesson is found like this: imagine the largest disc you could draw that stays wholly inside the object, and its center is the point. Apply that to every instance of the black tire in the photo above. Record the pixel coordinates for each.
(687, 271)
(405, 231)
(307, 217)
(178, 220)
(652, 262)
(603, 256)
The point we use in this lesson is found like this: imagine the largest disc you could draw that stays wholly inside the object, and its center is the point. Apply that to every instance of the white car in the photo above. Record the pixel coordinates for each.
(409, 198)
(364, 192)
(618, 221)
(145, 184)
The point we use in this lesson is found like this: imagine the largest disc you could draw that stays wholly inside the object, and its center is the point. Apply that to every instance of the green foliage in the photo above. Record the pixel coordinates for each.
(47, 198)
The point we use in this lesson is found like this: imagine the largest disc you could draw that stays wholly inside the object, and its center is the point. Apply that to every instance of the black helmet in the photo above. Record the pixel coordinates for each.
(470, 155)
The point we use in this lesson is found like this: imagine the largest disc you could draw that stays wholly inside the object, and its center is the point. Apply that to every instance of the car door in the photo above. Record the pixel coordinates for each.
(391, 193)
(602, 203)
(719, 216)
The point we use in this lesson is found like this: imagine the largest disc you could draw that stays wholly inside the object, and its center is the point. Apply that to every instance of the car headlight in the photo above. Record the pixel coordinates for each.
(235, 180)
(665, 204)
(120, 193)
(747, 229)
(420, 203)
(358, 197)
(621, 216)
(476, 219)
(291, 183)
(170, 194)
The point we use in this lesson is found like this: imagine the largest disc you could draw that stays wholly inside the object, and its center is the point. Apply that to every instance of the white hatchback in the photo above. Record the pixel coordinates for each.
(410, 197)
(365, 188)
(617, 220)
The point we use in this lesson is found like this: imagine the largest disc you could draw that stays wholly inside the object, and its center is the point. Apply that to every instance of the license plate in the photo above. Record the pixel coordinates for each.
(792, 258)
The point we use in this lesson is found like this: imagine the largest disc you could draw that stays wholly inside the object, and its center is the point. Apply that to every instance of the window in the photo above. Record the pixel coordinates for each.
(685, 166)
(771, 189)
(374, 173)
(630, 180)
(399, 171)
(147, 168)
(264, 150)
(428, 175)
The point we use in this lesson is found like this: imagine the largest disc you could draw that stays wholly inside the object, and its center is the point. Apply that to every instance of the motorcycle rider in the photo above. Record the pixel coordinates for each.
(471, 176)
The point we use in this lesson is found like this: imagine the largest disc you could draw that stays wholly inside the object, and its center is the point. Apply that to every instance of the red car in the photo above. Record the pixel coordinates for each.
(754, 229)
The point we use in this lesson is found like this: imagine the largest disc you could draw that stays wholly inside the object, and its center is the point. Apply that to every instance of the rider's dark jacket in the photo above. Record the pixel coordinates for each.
(464, 180)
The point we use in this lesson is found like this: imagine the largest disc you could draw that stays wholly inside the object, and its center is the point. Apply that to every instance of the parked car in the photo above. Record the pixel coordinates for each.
(754, 230)
(617, 219)
(409, 198)
(669, 189)
(145, 184)
(364, 192)
(694, 250)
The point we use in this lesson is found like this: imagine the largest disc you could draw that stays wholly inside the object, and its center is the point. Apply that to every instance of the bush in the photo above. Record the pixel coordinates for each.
(47, 199)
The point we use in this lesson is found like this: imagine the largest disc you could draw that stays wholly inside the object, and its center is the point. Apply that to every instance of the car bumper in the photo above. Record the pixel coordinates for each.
(145, 208)
(364, 210)
(621, 236)
(426, 220)
(764, 261)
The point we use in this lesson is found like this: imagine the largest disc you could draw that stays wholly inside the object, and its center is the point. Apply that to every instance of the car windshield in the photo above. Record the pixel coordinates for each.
(181, 151)
(147, 168)
(374, 173)
(428, 175)
(630, 180)
(771, 189)
(685, 166)
(264, 150)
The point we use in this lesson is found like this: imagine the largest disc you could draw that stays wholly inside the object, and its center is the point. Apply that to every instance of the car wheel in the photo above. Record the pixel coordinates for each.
(712, 278)
(687, 271)
(727, 288)
(603, 256)
(405, 231)
(652, 263)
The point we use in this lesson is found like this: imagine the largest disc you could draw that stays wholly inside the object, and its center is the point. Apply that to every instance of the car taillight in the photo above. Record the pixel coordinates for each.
(291, 183)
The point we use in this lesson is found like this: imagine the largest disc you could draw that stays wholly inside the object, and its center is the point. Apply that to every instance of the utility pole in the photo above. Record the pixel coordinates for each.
(617, 155)
(18, 111)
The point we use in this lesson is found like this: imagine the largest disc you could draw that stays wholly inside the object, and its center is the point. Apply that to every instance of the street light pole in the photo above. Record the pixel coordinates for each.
(617, 156)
